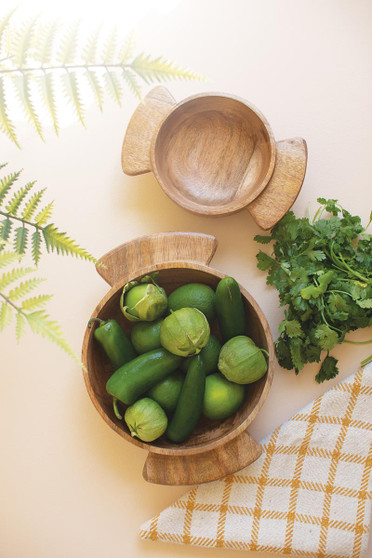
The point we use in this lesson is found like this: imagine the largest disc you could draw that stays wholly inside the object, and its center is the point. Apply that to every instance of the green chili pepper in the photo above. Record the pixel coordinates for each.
(114, 341)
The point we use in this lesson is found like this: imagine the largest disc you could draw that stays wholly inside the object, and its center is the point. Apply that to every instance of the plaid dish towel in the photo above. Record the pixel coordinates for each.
(308, 494)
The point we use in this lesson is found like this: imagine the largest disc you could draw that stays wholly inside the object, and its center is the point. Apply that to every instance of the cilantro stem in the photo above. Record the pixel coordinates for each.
(366, 360)
(358, 342)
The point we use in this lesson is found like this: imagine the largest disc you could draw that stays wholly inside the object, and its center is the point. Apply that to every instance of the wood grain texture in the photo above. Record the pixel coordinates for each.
(285, 184)
(209, 436)
(151, 249)
(202, 467)
(135, 154)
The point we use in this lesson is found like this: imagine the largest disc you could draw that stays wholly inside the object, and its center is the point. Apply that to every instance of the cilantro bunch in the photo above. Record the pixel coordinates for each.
(322, 270)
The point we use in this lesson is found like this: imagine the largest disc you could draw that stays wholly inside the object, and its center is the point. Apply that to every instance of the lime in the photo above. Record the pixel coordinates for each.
(167, 391)
(221, 397)
(145, 336)
(209, 355)
(194, 295)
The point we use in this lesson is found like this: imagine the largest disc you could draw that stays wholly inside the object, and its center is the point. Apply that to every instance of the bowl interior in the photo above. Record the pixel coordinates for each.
(207, 431)
(213, 154)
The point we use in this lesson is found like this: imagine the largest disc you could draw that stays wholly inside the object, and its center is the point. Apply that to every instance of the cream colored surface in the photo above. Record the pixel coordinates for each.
(70, 487)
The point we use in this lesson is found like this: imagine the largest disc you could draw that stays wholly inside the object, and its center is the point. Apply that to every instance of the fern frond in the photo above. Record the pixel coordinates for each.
(20, 240)
(59, 242)
(6, 315)
(45, 214)
(41, 323)
(67, 51)
(96, 87)
(20, 325)
(22, 43)
(9, 277)
(113, 86)
(3, 26)
(6, 258)
(35, 302)
(6, 183)
(131, 79)
(36, 246)
(15, 202)
(89, 53)
(32, 204)
(6, 124)
(46, 87)
(71, 87)
(110, 47)
(44, 46)
(21, 290)
(23, 89)
(5, 229)
(127, 48)
(158, 69)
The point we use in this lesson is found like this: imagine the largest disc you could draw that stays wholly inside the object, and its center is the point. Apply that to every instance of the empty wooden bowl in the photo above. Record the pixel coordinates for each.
(216, 448)
(215, 154)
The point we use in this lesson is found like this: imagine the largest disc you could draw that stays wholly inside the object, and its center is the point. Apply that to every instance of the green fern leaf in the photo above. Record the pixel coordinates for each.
(47, 87)
(71, 87)
(20, 240)
(44, 45)
(21, 290)
(6, 125)
(126, 50)
(15, 202)
(3, 26)
(6, 315)
(89, 53)
(59, 242)
(113, 86)
(95, 87)
(36, 246)
(131, 80)
(158, 69)
(44, 215)
(20, 325)
(32, 205)
(6, 258)
(22, 42)
(6, 183)
(5, 230)
(67, 51)
(41, 323)
(35, 302)
(23, 89)
(9, 277)
(110, 47)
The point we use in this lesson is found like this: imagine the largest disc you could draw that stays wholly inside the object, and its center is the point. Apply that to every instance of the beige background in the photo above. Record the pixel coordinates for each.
(70, 487)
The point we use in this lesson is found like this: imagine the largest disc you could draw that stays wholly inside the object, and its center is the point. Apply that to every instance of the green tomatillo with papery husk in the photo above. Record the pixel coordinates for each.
(143, 299)
(185, 332)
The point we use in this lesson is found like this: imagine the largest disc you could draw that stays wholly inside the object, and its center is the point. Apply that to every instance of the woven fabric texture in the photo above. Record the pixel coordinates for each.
(309, 493)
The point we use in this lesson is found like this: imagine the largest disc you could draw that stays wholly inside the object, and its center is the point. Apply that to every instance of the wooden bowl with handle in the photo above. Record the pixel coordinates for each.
(216, 448)
(215, 154)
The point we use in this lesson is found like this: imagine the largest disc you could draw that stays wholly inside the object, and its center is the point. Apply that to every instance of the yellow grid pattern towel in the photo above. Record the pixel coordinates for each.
(309, 493)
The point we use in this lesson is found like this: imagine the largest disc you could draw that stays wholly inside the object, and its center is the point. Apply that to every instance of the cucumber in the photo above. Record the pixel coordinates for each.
(189, 404)
(142, 373)
(230, 309)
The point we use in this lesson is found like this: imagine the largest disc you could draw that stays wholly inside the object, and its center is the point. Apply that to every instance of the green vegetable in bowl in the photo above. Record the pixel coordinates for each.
(143, 300)
(185, 332)
(241, 361)
(146, 420)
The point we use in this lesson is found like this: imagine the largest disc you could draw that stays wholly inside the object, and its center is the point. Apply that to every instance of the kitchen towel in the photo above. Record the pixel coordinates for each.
(308, 494)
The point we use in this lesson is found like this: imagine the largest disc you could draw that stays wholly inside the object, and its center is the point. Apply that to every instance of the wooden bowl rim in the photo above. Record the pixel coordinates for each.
(240, 202)
(206, 446)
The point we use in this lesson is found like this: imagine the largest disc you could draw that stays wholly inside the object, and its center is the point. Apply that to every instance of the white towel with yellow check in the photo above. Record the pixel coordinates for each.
(309, 493)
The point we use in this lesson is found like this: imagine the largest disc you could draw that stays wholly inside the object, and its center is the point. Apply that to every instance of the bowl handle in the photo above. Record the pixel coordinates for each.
(202, 467)
(156, 248)
(284, 186)
(135, 153)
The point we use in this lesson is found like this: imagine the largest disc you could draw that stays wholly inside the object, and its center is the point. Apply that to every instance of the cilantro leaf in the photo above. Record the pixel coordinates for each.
(292, 328)
(328, 370)
(264, 261)
(263, 239)
(325, 337)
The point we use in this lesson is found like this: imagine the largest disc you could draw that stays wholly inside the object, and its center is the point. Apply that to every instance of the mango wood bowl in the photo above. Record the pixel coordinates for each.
(215, 154)
(216, 448)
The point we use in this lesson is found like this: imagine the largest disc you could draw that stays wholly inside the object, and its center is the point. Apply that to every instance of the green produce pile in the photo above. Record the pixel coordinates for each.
(173, 370)
(322, 269)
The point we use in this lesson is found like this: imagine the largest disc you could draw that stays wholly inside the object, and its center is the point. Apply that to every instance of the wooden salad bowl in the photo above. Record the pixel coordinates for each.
(216, 448)
(215, 154)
